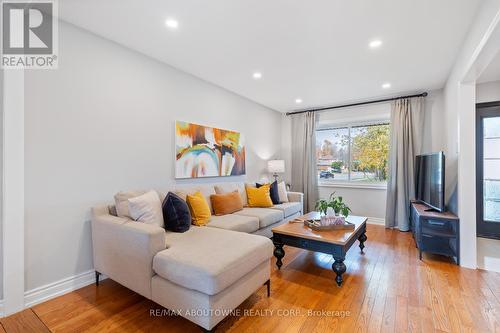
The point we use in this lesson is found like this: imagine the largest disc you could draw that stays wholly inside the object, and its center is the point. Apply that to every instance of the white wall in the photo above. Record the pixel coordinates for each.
(488, 250)
(1, 185)
(368, 202)
(434, 137)
(459, 104)
(13, 191)
(488, 92)
(104, 122)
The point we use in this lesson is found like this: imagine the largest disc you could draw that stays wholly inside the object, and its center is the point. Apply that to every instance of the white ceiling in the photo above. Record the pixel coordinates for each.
(492, 72)
(314, 50)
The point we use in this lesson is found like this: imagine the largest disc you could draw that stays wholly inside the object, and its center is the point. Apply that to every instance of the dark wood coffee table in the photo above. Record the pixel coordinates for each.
(334, 242)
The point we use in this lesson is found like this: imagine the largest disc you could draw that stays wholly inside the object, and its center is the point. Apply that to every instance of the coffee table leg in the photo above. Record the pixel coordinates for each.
(279, 253)
(362, 239)
(339, 268)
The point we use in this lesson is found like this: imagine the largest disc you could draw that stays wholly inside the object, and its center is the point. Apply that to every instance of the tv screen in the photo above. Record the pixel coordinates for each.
(429, 180)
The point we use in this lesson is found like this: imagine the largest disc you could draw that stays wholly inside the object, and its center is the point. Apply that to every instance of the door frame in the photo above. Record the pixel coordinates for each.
(483, 229)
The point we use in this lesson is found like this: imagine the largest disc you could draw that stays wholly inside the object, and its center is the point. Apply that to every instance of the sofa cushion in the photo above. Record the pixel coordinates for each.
(231, 187)
(235, 222)
(207, 190)
(259, 197)
(289, 208)
(282, 192)
(266, 216)
(176, 214)
(121, 202)
(273, 192)
(220, 258)
(226, 203)
(198, 206)
(146, 208)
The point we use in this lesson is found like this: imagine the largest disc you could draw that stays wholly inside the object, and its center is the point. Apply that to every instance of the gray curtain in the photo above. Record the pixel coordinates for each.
(407, 124)
(304, 174)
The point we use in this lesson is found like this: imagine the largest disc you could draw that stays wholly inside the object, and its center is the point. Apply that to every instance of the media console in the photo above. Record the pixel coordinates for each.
(435, 232)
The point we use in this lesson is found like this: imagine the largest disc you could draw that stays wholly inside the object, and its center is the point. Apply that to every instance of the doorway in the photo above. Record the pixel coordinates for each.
(488, 169)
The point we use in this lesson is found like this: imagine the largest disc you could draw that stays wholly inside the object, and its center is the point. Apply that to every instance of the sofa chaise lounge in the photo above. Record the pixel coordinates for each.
(203, 273)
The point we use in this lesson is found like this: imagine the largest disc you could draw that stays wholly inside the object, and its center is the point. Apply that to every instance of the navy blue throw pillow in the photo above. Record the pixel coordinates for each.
(176, 215)
(273, 191)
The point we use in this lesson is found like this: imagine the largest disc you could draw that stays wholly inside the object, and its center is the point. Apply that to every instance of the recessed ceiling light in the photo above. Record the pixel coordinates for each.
(376, 43)
(298, 100)
(386, 85)
(171, 23)
(257, 75)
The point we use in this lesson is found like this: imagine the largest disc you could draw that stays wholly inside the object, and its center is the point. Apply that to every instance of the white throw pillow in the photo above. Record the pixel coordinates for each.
(282, 193)
(146, 208)
(121, 202)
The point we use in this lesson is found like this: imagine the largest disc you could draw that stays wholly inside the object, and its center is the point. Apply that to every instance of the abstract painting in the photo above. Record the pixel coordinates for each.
(203, 151)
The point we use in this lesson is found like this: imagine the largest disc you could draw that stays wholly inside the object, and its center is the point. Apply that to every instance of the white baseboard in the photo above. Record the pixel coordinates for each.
(1, 308)
(58, 288)
(376, 220)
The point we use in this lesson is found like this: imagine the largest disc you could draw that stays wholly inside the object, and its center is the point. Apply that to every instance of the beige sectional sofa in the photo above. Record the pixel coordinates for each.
(202, 273)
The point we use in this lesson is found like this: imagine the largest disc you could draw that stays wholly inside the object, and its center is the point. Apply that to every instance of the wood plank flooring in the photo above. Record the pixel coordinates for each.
(385, 290)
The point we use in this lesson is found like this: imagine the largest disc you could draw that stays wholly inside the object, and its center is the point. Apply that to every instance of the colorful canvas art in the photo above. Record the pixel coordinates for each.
(203, 151)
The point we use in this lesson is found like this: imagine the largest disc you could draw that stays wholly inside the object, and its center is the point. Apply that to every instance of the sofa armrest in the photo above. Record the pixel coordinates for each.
(124, 249)
(295, 196)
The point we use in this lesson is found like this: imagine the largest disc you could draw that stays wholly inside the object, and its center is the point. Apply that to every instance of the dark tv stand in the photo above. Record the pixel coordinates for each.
(432, 210)
(435, 232)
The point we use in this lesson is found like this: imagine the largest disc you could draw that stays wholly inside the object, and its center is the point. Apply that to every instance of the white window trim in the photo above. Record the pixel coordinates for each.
(349, 183)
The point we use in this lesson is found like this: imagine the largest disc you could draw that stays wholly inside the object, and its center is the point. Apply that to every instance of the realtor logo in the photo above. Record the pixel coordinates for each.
(29, 34)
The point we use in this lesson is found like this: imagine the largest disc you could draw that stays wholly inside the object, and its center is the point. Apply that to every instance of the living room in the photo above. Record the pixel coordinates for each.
(240, 166)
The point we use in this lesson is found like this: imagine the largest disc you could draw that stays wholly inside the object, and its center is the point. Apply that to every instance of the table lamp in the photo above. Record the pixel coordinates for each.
(275, 167)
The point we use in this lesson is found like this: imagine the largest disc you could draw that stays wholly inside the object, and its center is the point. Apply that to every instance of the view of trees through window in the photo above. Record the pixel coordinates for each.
(356, 153)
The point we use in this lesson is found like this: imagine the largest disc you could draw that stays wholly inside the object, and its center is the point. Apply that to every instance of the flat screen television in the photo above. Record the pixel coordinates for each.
(429, 180)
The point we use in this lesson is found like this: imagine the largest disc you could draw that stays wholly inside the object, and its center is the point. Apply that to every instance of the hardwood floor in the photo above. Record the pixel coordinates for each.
(385, 290)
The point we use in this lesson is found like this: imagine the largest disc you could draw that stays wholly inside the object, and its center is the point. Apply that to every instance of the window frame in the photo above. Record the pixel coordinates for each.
(349, 183)
(484, 229)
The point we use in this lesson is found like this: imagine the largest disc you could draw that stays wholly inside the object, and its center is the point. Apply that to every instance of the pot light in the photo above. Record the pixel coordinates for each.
(386, 85)
(376, 43)
(171, 23)
(257, 75)
(298, 101)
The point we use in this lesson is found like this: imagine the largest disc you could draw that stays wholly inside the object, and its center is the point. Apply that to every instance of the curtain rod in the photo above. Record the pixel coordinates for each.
(424, 94)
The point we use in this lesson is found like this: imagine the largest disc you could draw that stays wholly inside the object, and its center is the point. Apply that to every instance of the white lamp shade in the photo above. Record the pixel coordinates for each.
(276, 166)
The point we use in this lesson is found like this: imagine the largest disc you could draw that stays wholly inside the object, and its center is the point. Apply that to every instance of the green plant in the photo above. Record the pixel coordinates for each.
(336, 203)
(322, 205)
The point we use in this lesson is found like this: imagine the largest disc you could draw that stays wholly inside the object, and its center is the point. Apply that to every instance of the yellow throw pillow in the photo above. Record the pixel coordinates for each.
(200, 212)
(259, 197)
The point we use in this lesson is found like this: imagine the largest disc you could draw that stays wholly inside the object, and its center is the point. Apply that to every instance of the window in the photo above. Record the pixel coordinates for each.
(356, 154)
(488, 170)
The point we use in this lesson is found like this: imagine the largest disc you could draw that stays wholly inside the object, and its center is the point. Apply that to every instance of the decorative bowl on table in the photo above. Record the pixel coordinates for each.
(318, 226)
(327, 220)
